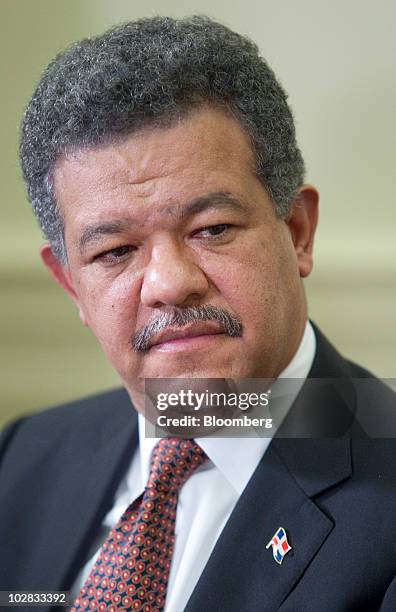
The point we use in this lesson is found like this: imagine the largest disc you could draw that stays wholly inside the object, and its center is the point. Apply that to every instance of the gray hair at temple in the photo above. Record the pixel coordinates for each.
(153, 72)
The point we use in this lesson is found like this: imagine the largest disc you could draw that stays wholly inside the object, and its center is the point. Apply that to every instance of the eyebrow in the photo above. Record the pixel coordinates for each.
(218, 200)
(93, 232)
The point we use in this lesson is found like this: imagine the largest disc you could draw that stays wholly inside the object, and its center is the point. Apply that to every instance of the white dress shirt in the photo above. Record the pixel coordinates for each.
(207, 498)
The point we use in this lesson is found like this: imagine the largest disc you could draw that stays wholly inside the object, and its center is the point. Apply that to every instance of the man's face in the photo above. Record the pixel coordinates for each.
(174, 219)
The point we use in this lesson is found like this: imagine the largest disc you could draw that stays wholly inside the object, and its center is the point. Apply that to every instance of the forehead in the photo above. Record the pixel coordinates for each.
(155, 168)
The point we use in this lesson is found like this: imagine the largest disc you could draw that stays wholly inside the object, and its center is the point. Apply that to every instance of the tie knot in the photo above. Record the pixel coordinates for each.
(172, 462)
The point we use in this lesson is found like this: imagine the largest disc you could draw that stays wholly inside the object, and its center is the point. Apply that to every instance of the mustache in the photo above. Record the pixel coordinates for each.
(230, 324)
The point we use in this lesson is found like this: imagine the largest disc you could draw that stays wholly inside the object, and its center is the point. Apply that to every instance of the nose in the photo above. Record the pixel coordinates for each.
(172, 277)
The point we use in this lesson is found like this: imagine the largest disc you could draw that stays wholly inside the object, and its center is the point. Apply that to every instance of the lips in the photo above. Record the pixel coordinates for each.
(190, 331)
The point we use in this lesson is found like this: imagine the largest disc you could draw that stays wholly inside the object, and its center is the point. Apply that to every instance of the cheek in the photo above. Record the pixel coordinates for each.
(251, 292)
(257, 287)
(111, 309)
(250, 282)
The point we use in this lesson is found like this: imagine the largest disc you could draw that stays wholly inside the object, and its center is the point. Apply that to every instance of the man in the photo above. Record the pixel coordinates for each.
(160, 159)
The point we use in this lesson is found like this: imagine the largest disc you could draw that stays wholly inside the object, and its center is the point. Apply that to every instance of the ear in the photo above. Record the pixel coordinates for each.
(302, 221)
(62, 276)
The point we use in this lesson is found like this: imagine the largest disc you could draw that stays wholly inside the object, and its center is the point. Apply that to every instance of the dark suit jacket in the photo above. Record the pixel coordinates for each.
(335, 497)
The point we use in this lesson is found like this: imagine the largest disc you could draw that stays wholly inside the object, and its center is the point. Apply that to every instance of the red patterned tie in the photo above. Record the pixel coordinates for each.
(132, 570)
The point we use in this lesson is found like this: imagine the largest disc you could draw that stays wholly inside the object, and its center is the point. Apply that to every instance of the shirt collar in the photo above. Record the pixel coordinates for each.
(237, 458)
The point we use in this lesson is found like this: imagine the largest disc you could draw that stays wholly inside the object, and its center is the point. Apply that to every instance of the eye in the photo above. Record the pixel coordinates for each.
(115, 255)
(214, 232)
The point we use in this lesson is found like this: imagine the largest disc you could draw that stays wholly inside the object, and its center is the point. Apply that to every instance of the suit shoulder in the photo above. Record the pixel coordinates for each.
(52, 424)
(83, 408)
(374, 455)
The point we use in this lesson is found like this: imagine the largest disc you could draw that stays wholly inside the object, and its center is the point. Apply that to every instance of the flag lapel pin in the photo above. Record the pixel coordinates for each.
(280, 545)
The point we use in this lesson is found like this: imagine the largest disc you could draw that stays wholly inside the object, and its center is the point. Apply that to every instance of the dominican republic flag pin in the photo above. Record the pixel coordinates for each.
(280, 545)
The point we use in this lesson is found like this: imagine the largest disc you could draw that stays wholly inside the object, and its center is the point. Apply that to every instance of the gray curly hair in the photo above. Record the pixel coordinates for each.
(152, 71)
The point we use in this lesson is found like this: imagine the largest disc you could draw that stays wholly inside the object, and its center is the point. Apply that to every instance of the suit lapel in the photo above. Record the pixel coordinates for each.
(241, 573)
(96, 462)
